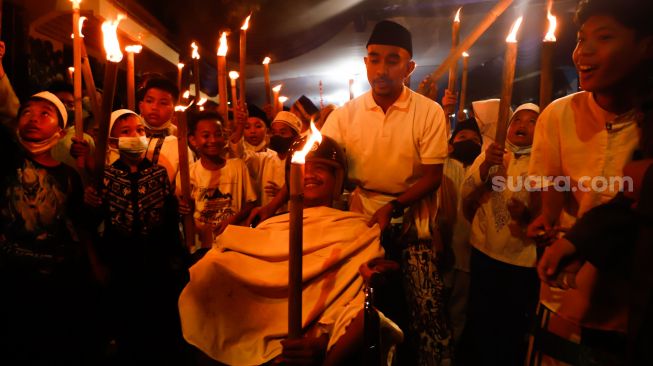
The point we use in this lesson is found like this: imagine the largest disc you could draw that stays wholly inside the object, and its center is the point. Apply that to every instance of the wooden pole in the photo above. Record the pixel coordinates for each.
(109, 89)
(351, 89)
(275, 100)
(467, 43)
(77, 78)
(131, 89)
(463, 88)
(296, 207)
(508, 76)
(89, 84)
(243, 58)
(184, 174)
(234, 93)
(180, 72)
(546, 74)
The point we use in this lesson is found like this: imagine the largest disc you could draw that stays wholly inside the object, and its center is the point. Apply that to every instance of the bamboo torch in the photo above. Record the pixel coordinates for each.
(89, 82)
(351, 89)
(222, 76)
(114, 56)
(196, 70)
(243, 57)
(509, 63)
(546, 72)
(275, 99)
(184, 172)
(463, 87)
(233, 75)
(77, 77)
(453, 70)
(71, 73)
(266, 78)
(468, 42)
(296, 208)
(282, 99)
(180, 72)
(131, 75)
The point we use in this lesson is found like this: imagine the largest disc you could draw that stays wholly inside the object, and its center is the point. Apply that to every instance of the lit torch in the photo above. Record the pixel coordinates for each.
(184, 172)
(282, 99)
(243, 57)
(196, 69)
(546, 65)
(114, 56)
(180, 71)
(222, 76)
(131, 77)
(89, 82)
(510, 61)
(266, 78)
(463, 87)
(275, 99)
(233, 75)
(296, 211)
(77, 76)
(453, 70)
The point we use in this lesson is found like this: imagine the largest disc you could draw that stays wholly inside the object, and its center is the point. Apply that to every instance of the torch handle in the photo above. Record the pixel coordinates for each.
(110, 74)
(89, 83)
(296, 207)
(184, 176)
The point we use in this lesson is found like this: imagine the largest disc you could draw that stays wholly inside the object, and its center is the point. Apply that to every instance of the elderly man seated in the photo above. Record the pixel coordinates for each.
(235, 307)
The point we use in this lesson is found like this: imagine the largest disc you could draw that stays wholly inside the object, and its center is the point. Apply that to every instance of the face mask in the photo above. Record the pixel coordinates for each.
(39, 147)
(280, 144)
(133, 146)
(466, 151)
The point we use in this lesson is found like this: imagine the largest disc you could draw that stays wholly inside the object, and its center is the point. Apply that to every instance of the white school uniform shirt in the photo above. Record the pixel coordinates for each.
(493, 232)
(385, 150)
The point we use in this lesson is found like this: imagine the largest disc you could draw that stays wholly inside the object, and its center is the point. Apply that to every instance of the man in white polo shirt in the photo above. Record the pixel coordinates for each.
(395, 141)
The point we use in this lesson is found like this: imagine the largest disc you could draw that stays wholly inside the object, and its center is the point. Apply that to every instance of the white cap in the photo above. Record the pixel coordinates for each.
(119, 113)
(57, 103)
(289, 119)
(528, 107)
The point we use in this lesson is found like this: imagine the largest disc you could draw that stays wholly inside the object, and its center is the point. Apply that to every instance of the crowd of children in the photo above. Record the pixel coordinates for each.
(512, 252)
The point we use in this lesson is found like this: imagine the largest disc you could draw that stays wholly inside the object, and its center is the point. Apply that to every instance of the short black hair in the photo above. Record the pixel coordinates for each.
(633, 14)
(195, 118)
(158, 82)
(59, 86)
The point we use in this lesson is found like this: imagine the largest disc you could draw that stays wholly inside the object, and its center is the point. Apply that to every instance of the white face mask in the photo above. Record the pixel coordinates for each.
(132, 145)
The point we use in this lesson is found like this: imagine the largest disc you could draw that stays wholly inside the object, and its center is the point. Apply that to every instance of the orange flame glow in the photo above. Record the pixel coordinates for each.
(186, 94)
(71, 69)
(110, 35)
(195, 55)
(283, 99)
(246, 23)
(550, 35)
(457, 18)
(180, 65)
(134, 48)
(80, 24)
(75, 4)
(202, 101)
(277, 88)
(465, 54)
(315, 137)
(222, 48)
(266, 61)
(233, 75)
(512, 37)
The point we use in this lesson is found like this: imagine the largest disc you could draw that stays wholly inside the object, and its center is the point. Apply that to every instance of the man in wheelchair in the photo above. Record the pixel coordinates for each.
(235, 307)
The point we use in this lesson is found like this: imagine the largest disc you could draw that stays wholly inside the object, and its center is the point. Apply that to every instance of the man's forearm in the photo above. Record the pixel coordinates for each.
(428, 183)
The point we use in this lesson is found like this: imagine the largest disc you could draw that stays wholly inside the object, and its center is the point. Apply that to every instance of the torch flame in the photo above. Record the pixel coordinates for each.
(222, 48)
(550, 35)
(246, 23)
(266, 60)
(134, 48)
(180, 65)
(71, 69)
(465, 54)
(201, 102)
(457, 18)
(315, 137)
(195, 55)
(512, 37)
(283, 99)
(186, 94)
(233, 75)
(75, 4)
(277, 88)
(80, 24)
(111, 44)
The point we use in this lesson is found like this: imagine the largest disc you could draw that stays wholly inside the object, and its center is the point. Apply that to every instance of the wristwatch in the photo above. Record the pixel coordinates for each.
(397, 208)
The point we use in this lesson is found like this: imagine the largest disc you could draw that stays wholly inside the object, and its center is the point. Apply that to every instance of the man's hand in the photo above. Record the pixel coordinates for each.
(271, 188)
(303, 351)
(449, 100)
(91, 197)
(551, 270)
(493, 156)
(428, 88)
(382, 217)
(79, 148)
(541, 230)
